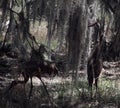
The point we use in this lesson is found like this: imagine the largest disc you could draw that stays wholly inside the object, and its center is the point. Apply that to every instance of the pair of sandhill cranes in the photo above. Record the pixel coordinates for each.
(94, 67)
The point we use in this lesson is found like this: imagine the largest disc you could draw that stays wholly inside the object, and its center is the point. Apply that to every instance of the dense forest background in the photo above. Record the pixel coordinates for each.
(62, 37)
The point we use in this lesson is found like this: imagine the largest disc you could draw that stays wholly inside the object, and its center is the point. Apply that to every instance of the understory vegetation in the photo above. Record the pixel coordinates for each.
(59, 54)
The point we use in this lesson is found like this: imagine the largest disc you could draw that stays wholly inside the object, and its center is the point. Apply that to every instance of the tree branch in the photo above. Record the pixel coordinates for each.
(109, 6)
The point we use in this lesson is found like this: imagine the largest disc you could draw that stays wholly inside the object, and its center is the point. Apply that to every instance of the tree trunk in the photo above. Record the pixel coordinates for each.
(114, 47)
(76, 37)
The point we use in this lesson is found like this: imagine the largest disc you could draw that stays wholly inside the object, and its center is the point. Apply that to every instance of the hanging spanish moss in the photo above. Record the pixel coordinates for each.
(60, 17)
(66, 44)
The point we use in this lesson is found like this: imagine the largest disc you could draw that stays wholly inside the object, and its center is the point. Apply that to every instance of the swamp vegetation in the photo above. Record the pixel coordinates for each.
(53, 51)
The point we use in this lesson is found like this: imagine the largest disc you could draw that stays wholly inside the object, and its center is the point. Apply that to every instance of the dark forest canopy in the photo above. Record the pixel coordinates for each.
(67, 20)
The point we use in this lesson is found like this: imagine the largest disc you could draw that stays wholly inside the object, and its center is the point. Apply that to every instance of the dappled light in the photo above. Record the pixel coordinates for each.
(59, 53)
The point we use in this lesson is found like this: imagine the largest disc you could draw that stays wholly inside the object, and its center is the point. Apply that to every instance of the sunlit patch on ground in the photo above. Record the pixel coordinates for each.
(53, 80)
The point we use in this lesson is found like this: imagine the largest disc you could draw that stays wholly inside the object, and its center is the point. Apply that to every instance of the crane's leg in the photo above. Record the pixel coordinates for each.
(91, 91)
(30, 93)
(46, 91)
(90, 72)
(96, 85)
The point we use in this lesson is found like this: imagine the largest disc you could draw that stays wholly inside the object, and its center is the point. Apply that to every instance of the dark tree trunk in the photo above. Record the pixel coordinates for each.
(76, 37)
(116, 38)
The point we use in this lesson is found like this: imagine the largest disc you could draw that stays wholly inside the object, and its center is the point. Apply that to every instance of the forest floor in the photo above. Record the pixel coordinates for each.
(64, 92)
